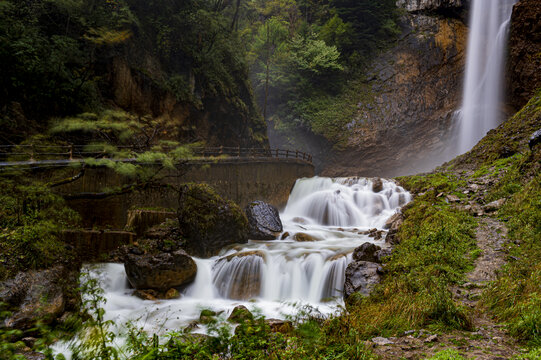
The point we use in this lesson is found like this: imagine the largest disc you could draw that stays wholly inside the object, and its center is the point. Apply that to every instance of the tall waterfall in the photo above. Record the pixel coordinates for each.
(482, 96)
(333, 216)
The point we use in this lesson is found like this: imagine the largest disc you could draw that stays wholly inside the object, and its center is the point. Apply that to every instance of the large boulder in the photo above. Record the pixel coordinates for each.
(263, 221)
(161, 271)
(38, 296)
(208, 222)
(361, 277)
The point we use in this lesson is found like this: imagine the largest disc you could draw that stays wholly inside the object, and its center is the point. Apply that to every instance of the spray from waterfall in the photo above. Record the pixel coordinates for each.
(485, 63)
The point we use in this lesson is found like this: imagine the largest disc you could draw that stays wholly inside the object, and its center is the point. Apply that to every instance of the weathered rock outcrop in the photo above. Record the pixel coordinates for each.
(361, 277)
(524, 65)
(407, 103)
(208, 222)
(430, 5)
(39, 296)
(263, 221)
(160, 272)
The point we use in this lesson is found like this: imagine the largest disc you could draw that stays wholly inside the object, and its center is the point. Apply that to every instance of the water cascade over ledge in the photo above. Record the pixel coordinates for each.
(485, 64)
(324, 221)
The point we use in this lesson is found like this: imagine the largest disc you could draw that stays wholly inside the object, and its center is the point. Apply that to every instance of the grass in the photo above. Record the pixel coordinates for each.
(515, 297)
(436, 241)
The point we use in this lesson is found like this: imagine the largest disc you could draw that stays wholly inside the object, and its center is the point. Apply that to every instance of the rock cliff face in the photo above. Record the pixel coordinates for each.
(434, 5)
(133, 84)
(405, 113)
(524, 65)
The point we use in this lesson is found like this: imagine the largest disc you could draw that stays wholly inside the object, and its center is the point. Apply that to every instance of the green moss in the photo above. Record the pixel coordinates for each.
(440, 181)
(448, 354)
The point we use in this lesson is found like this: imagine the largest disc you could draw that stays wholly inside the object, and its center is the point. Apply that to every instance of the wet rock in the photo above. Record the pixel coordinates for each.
(381, 255)
(284, 236)
(208, 222)
(381, 341)
(302, 237)
(494, 206)
(171, 294)
(366, 252)
(390, 221)
(392, 234)
(263, 221)
(38, 296)
(377, 185)
(535, 139)
(161, 271)
(279, 326)
(376, 234)
(240, 314)
(149, 294)
(361, 276)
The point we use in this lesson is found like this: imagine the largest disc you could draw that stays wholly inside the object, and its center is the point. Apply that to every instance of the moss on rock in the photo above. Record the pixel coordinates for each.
(208, 222)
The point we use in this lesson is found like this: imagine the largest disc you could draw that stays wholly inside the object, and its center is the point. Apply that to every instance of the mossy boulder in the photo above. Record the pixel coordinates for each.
(240, 314)
(208, 222)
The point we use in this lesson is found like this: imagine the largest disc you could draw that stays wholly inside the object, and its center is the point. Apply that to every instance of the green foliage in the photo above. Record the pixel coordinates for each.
(446, 182)
(534, 354)
(31, 220)
(448, 354)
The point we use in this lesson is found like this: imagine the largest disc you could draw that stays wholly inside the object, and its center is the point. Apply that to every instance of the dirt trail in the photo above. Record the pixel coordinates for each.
(489, 340)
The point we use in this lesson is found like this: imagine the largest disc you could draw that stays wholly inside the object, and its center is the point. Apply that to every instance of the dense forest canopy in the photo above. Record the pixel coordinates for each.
(56, 54)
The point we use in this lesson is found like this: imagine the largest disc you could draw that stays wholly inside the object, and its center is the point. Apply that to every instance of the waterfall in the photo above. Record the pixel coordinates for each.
(485, 61)
(332, 214)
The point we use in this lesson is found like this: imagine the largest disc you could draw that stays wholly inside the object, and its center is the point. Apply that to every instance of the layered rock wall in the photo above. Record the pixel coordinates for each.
(524, 65)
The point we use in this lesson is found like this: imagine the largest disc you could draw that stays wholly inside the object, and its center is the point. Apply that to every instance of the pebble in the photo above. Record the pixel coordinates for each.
(381, 341)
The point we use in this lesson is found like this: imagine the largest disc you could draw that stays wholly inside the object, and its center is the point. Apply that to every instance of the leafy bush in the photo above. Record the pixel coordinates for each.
(31, 220)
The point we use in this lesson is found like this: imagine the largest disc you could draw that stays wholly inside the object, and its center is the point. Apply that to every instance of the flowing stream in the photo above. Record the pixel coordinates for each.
(485, 61)
(271, 275)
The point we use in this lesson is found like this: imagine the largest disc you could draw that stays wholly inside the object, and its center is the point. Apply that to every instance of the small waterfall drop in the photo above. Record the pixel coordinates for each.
(485, 62)
(332, 214)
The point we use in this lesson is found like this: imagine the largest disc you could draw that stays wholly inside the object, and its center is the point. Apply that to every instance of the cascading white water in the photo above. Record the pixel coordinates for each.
(485, 61)
(271, 275)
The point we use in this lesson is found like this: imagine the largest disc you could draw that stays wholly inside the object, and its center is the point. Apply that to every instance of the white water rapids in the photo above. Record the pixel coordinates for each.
(272, 274)
(483, 85)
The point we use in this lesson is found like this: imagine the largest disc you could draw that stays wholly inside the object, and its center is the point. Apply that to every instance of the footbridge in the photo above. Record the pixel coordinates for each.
(240, 174)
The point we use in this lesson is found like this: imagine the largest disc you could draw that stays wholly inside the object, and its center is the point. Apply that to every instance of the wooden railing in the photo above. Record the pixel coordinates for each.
(49, 153)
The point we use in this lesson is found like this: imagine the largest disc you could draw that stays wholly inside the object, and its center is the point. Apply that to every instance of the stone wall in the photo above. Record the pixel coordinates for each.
(241, 180)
